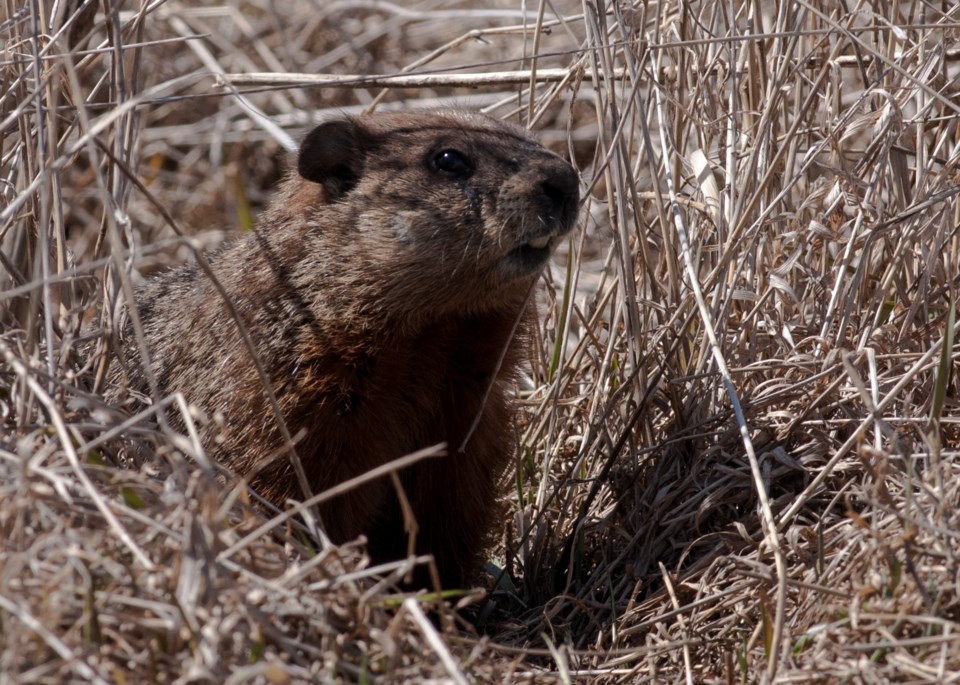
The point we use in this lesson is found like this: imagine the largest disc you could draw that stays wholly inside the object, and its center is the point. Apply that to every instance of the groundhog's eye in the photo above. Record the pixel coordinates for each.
(453, 163)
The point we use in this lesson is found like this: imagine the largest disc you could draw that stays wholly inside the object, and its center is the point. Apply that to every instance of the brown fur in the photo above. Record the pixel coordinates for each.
(381, 289)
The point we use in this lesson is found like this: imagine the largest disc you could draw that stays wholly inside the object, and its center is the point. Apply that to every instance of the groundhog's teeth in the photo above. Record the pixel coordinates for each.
(539, 243)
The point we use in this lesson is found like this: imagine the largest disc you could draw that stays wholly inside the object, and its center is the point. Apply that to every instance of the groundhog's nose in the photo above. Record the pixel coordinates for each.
(561, 186)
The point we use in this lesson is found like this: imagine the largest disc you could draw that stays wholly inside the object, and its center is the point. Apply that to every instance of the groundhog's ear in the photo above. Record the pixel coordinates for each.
(331, 155)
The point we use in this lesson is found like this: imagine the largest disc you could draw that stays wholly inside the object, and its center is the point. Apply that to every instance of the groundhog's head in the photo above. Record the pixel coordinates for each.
(449, 209)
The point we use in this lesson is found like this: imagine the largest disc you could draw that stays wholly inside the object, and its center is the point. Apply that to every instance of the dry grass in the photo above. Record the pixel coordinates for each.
(739, 458)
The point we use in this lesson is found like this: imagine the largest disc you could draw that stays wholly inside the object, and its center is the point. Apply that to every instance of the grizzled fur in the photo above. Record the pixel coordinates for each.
(380, 289)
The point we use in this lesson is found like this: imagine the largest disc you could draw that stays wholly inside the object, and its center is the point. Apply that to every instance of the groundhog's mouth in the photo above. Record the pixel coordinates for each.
(530, 256)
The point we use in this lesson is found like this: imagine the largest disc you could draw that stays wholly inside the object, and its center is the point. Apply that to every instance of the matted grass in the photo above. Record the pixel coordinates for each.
(739, 451)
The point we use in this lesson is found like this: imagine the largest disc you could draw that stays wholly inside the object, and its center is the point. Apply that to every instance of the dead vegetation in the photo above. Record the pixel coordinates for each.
(740, 452)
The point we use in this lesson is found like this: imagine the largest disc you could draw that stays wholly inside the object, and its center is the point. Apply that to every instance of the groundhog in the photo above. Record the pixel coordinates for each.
(382, 290)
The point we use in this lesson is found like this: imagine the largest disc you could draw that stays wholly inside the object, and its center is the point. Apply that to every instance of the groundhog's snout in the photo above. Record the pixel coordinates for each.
(560, 186)
(539, 204)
